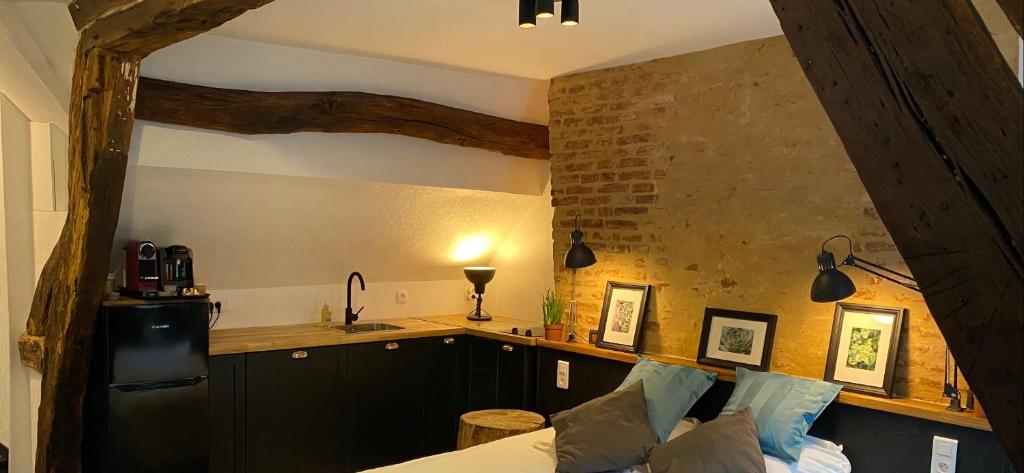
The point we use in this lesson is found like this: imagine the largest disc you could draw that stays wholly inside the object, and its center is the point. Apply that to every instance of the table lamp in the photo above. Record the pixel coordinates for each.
(578, 256)
(479, 276)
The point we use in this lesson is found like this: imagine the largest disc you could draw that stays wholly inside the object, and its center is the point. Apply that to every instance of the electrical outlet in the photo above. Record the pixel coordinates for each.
(470, 294)
(943, 455)
(402, 297)
(562, 376)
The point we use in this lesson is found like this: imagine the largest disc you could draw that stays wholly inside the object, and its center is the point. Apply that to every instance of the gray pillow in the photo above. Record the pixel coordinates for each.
(607, 433)
(727, 444)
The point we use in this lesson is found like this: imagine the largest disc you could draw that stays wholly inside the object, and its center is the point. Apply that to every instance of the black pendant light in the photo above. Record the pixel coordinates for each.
(527, 13)
(545, 8)
(570, 12)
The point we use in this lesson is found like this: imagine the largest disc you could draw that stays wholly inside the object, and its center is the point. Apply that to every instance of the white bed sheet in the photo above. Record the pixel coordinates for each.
(535, 453)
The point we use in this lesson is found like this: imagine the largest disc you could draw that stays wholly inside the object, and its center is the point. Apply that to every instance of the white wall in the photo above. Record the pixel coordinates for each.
(277, 222)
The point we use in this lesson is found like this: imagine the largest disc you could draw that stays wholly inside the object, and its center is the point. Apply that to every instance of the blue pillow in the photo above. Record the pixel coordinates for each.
(670, 391)
(784, 408)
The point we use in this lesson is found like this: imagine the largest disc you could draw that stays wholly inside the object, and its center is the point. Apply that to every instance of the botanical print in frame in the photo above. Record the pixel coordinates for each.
(622, 317)
(731, 338)
(863, 348)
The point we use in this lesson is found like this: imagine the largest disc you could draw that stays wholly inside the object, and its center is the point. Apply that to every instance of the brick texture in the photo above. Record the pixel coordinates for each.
(714, 177)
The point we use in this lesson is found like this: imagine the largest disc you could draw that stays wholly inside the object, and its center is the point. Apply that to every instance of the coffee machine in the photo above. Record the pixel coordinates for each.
(177, 276)
(141, 268)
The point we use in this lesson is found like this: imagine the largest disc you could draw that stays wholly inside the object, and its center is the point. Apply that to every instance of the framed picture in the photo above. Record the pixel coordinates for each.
(622, 317)
(732, 338)
(862, 352)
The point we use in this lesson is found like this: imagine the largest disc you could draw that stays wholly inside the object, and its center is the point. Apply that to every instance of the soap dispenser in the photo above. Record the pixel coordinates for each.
(325, 315)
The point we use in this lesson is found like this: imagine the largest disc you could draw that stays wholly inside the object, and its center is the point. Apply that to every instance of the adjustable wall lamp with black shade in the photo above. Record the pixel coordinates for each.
(578, 256)
(832, 285)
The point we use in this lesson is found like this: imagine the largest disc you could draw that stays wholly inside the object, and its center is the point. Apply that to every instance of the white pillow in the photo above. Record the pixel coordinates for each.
(685, 425)
(816, 456)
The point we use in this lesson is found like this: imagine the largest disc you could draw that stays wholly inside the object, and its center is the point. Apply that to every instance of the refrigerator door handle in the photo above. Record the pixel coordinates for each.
(142, 387)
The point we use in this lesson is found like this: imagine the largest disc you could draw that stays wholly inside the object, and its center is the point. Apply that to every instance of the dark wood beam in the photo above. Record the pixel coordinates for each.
(149, 25)
(251, 112)
(1014, 10)
(58, 337)
(931, 117)
(71, 285)
(84, 12)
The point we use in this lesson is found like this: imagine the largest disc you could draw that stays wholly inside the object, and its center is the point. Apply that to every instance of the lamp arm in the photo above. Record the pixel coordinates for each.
(867, 266)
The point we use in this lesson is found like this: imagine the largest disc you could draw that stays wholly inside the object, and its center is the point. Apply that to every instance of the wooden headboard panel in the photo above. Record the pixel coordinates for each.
(874, 441)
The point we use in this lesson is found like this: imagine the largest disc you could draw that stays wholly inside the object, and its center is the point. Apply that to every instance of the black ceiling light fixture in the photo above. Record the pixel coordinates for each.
(527, 13)
(545, 8)
(531, 10)
(570, 12)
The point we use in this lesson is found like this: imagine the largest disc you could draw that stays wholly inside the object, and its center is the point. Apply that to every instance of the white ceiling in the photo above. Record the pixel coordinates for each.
(484, 35)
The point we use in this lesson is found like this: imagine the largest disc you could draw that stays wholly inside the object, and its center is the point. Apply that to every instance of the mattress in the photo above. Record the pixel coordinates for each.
(535, 453)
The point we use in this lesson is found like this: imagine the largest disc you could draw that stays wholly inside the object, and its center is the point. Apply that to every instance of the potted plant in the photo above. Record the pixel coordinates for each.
(553, 308)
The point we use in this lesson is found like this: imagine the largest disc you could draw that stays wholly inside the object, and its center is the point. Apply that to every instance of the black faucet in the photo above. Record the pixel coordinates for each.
(349, 315)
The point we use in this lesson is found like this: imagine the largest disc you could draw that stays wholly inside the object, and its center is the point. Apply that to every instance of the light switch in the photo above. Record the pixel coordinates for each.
(562, 377)
(401, 296)
(943, 455)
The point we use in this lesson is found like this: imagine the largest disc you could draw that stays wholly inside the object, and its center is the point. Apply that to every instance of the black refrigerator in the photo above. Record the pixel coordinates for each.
(147, 407)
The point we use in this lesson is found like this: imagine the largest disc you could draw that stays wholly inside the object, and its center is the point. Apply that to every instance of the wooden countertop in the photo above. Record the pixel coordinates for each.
(284, 337)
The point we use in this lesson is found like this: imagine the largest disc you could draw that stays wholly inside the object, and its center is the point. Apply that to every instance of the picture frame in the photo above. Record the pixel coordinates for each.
(864, 346)
(627, 303)
(741, 339)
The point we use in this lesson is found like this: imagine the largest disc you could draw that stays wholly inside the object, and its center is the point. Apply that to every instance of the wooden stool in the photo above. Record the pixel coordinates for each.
(480, 427)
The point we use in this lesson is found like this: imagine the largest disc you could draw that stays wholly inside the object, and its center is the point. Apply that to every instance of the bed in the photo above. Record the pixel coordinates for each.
(535, 453)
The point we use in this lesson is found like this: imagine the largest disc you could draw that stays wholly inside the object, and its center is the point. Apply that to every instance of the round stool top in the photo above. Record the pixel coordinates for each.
(505, 419)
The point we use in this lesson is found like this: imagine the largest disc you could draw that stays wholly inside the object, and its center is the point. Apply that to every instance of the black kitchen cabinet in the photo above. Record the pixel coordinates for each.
(227, 414)
(445, 396)
(386, 402)
(294, 411)
(500, 375)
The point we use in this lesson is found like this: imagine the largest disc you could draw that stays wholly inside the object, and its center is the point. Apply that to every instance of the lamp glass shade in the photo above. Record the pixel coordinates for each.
(545, 8)
(831, 285)
(527, 13)
(479, 276)
(570, 12)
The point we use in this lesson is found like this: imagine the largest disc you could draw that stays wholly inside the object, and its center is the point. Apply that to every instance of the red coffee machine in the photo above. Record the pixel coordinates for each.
(141, 269)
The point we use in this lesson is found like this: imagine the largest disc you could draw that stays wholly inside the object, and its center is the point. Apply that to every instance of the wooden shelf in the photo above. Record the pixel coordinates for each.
(907, 407)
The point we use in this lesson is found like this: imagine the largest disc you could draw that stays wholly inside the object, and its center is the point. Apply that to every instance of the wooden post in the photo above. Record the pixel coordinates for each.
(933, 120)
(58, 338)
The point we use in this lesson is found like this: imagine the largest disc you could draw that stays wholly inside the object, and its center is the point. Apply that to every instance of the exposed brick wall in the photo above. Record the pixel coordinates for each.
(715, 176)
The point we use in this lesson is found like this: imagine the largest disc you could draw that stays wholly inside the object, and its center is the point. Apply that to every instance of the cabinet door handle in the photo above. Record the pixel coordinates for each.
(449, 341)
(507, 347)
(391, 346)
(298, 355)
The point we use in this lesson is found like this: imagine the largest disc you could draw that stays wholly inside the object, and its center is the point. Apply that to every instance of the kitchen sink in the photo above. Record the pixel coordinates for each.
(366, 327)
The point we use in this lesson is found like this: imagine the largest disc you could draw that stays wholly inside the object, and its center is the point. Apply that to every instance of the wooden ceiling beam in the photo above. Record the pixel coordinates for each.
(252, 112)
(931, 117)
(1014, 10)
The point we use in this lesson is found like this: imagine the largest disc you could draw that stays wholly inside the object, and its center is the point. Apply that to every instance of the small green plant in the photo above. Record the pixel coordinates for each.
(553, 308)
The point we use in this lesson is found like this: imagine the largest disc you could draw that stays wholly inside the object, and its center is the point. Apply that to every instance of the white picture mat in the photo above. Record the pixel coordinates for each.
(856, 319)
(623, 294)
(715, 335)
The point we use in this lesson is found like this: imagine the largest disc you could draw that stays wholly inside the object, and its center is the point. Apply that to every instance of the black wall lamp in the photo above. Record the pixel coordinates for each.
(578, 256)
(531, 10)
(831, 285)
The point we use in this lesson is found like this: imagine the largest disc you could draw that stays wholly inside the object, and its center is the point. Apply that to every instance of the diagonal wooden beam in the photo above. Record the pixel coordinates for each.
(149, 25)
(59, 332)
(84, 12)
(931, 117)
(1014, 10)
(251, 112)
